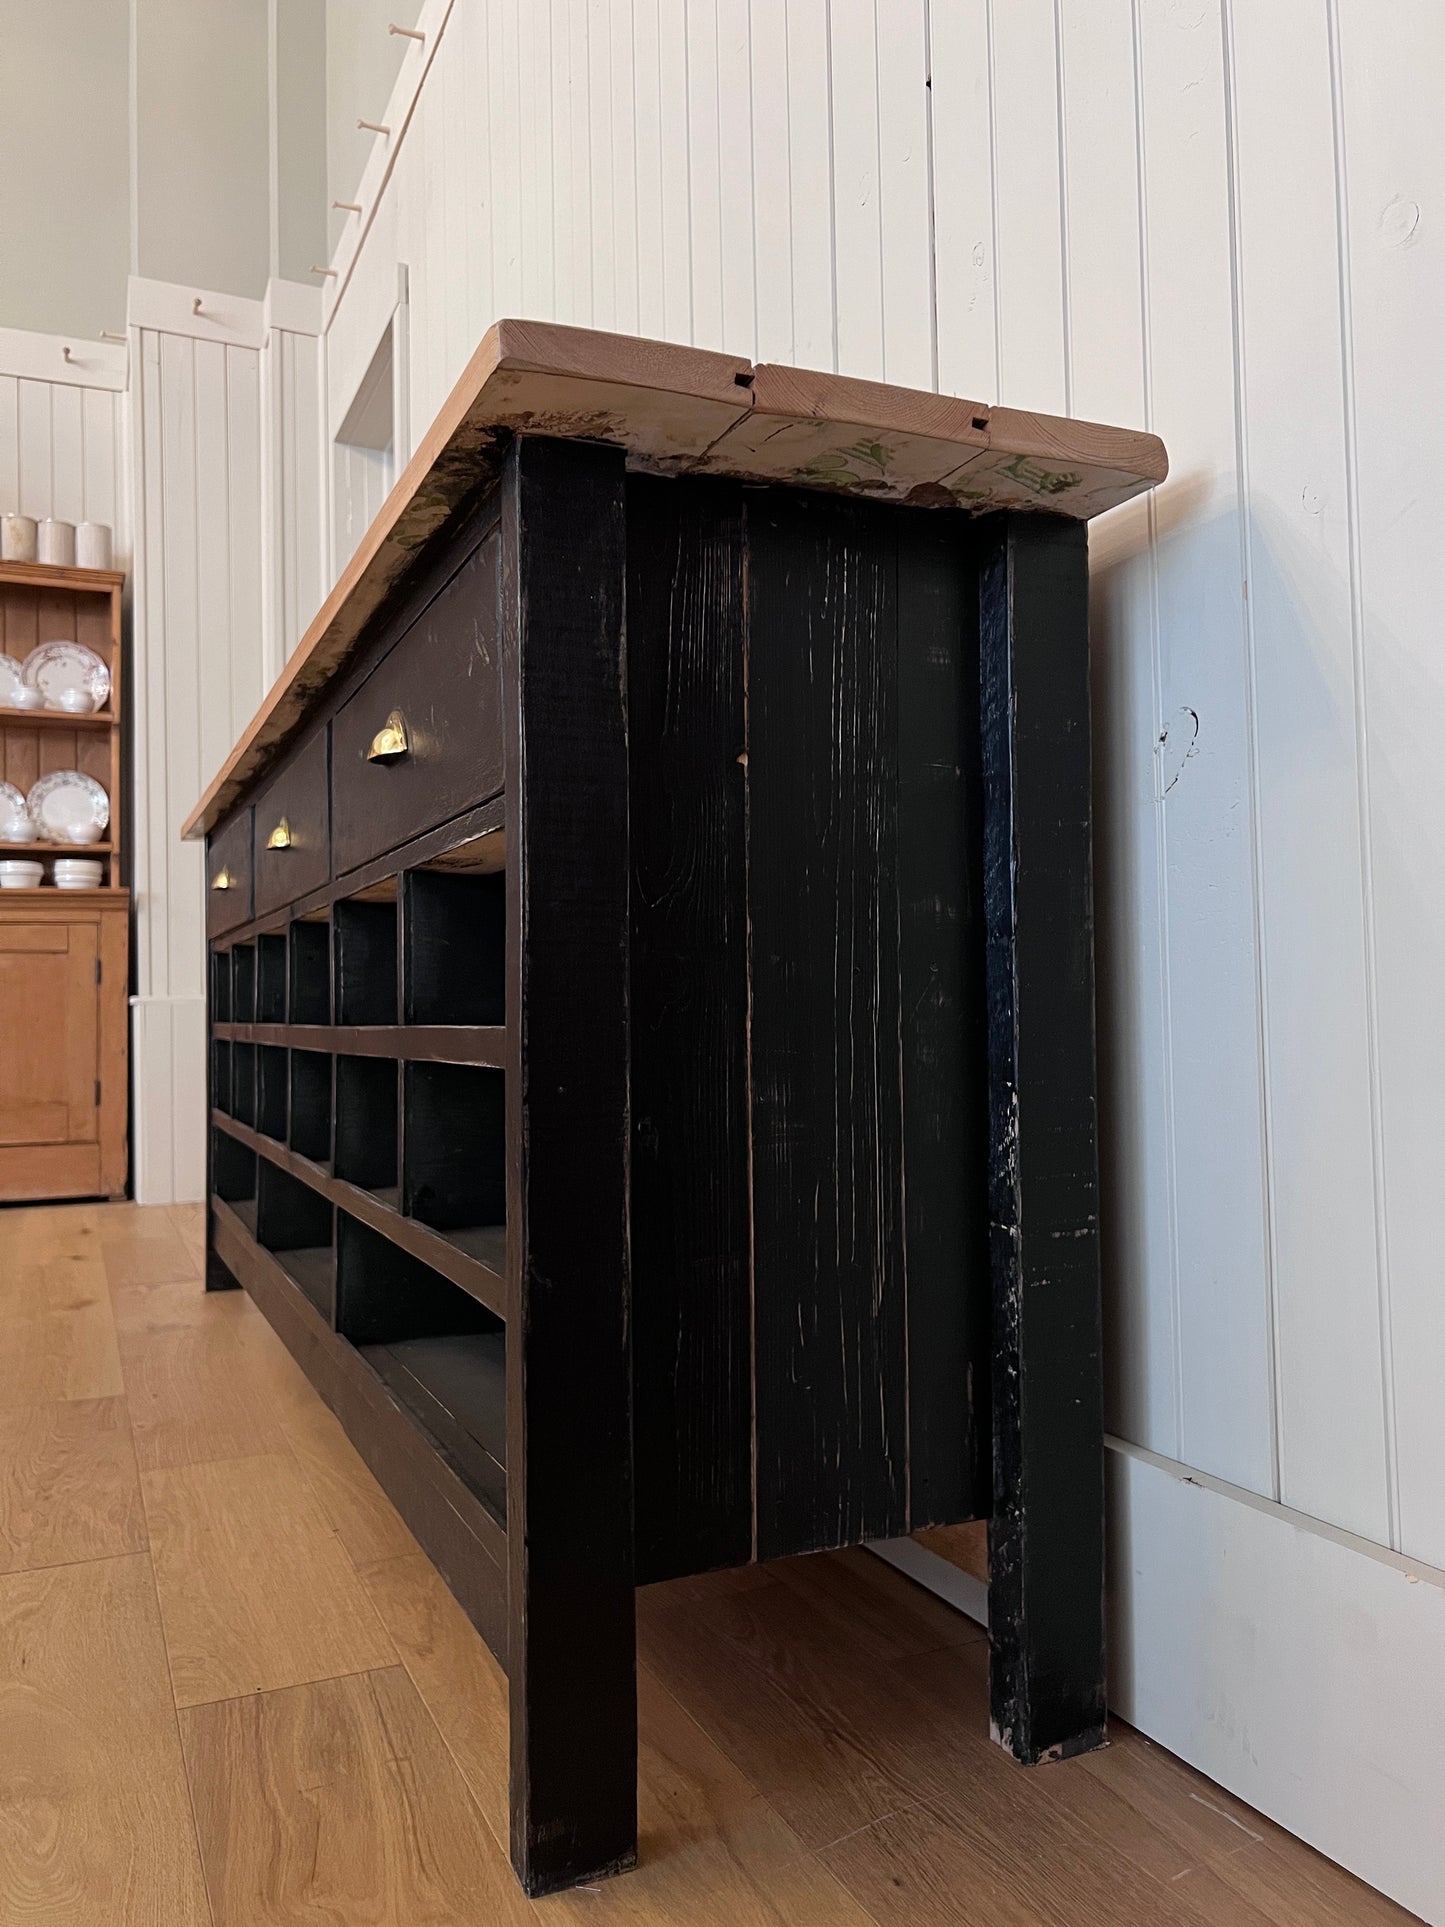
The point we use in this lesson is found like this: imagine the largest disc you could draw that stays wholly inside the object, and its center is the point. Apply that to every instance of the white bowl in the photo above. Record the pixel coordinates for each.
(21, 876)
(89, 832)
(22, 696)
(19, 829)
(75, 702)
(69, 870)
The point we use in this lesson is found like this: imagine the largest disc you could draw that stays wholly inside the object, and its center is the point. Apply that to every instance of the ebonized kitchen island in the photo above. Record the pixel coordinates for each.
(652, 1025)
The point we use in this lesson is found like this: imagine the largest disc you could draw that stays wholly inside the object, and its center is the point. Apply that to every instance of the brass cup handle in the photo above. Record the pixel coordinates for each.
(390, 741)
(280, 837)
(222, 880)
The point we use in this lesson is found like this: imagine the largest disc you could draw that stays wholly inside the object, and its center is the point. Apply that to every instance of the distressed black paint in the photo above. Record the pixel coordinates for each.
(693, 1326)
(572, 1657)
(830, 1338)
(941, 975)
(1046, 1540)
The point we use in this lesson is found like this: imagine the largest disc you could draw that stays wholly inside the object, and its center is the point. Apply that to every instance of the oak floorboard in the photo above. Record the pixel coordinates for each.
(206, 1377)
(963, 1546)
(59, 1331)
(813, 1732)
(711, 1851)
(861, 1597)
(363, 1518)
(256, 1590)
(337, 1801)
(95, 1818)
(68, 1484)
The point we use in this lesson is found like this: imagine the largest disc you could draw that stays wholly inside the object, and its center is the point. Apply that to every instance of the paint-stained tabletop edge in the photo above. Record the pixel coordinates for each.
(689, 411)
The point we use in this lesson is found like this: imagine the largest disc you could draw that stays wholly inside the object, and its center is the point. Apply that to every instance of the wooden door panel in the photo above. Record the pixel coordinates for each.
(48, 1037)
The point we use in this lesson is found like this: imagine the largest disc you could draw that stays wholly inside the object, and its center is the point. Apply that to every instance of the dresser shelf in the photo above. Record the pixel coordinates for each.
(65, 1021)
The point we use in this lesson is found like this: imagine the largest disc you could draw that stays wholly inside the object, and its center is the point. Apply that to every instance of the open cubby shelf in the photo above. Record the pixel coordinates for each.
(365, 962)
(440, 1353)
(433, 1043)
(474, 1259)
(453, 937)
(297, 1225)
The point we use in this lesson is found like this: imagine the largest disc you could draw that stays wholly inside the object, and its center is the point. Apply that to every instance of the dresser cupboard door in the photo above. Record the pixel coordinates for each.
(49, 1041)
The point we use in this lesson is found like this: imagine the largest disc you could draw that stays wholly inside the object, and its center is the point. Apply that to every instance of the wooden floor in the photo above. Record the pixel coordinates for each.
(233, 1691)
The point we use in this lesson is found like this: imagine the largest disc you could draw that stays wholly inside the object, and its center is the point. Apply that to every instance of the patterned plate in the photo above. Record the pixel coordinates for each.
(65, 797)
(12, 803)
(57, 666)
(11, 676)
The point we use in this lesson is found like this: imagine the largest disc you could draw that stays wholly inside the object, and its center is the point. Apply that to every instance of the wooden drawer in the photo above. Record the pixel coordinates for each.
(228, 874)
(297, 801)
(443, 679)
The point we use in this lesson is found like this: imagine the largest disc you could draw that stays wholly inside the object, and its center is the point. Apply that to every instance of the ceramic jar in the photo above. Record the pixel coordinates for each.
(17, 538)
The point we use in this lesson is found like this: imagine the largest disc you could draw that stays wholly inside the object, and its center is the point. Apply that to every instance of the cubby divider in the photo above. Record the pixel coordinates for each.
(310, 972)
(271, 1096)
(366, 1122)
(221, 1076)
(453, 944)
(221, 987)
(243, 1083)
(311, 1105)
(271, 980)
(243, 984)
(366, 962)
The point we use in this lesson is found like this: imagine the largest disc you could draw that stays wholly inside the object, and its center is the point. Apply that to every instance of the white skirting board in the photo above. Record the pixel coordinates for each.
(1300, 1667)
(168, 1082)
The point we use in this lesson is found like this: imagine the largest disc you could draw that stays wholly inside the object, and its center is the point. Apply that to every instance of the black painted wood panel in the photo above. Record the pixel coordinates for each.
(830, 1340)
(1046, 1540)
(692, 1324)
(941, 1003)
(572, 1651)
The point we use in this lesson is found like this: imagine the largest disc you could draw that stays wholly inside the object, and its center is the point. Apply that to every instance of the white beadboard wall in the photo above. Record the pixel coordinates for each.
(62, 431)
(226, 485)
(1215, 219)
(1109, 208)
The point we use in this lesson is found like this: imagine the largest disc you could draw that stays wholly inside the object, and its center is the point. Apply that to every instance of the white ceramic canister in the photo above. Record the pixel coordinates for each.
(92, 545)
(56, 543)
(17, 538)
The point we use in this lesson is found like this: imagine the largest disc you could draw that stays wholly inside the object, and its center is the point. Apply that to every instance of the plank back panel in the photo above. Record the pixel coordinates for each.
(830, 1360)
(690, 1212)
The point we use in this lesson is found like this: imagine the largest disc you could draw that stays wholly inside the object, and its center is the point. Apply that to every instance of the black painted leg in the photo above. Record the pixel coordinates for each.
(571, 1625)
(1046, 1541)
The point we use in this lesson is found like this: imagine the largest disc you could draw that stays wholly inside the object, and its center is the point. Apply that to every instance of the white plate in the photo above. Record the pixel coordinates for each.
(65, 797)
(12, 803)
(55, 666)
(11, 677)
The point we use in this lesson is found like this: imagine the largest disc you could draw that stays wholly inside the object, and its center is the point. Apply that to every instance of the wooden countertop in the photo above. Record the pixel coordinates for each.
(688, 411)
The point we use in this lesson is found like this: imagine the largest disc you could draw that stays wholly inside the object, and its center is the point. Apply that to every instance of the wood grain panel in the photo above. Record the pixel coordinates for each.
(256, 1591)
(338, 1801)
(98, 1829)
(68, 1485)
(692, 1362)
(828, 1236)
